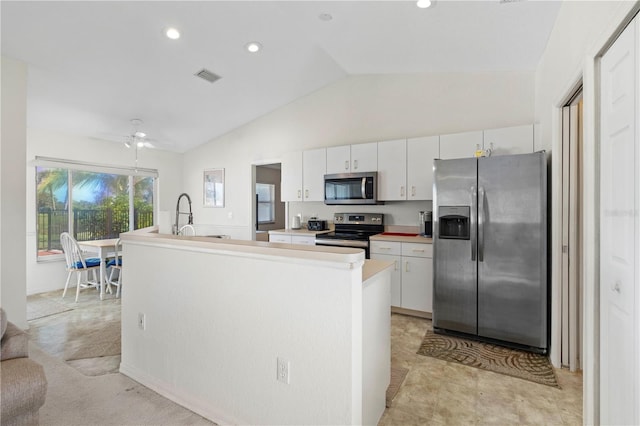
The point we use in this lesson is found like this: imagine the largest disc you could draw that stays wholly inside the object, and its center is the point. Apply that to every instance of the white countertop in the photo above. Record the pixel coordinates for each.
(402, 239)
(301, 231)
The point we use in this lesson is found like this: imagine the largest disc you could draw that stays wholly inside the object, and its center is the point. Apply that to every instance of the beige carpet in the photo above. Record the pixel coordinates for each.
(40, 307)
(397, 377)
(521, 364)
(102, 339)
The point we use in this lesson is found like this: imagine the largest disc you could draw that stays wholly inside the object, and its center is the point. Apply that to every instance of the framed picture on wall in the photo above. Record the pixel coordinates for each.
(213, 184)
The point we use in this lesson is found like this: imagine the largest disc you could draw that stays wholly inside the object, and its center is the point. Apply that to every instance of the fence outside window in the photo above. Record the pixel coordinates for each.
(87, 225)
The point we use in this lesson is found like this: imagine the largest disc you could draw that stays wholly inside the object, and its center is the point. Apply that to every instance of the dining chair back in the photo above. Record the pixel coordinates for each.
(116, 266)
(76, 263)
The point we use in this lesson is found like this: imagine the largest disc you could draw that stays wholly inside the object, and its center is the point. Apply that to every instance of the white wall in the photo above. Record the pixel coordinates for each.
(12, 188)
(582, 30)
(219, 315)
(353, 110)
(46, 276)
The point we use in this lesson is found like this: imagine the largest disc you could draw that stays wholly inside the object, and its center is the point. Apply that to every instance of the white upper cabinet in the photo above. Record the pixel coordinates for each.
(392, 170)
(364, 157)
(291, 176)
(509, 140)
(460, 145)
(352, 158)
(338, 159)
(420, 155)
(314, 167)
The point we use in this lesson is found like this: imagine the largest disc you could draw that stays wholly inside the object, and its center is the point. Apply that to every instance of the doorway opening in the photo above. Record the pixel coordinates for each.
(572, 223)
(268, 212)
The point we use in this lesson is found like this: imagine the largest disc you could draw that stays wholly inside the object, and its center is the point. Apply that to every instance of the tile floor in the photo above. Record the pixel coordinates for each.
(437, 392)
(434, 392)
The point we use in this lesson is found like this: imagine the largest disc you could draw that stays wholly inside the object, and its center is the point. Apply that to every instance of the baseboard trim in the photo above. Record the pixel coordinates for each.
(188, 401)
(412, 312)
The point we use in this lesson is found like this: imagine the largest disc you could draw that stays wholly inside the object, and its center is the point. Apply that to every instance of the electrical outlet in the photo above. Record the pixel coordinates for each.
(283, 370)
(141, 321)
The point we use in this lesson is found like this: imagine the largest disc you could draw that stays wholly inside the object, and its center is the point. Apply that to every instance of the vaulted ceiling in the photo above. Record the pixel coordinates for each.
(94, 66)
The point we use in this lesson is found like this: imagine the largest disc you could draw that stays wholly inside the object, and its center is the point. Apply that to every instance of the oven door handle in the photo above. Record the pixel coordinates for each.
(342, 243)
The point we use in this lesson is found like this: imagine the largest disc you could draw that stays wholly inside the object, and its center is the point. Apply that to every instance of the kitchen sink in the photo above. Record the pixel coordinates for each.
(399, 234)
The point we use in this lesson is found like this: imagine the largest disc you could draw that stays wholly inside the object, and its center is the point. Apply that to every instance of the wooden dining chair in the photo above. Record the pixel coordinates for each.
(76, 263)
(116, 265)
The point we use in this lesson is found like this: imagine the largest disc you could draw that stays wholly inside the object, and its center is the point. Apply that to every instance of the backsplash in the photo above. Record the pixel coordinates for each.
(403, 213)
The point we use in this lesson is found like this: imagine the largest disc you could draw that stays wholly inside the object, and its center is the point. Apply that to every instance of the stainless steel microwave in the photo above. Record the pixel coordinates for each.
(351, 188)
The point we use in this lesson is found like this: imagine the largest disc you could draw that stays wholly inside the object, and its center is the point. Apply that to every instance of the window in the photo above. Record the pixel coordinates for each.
(266, 194)
(101, 203)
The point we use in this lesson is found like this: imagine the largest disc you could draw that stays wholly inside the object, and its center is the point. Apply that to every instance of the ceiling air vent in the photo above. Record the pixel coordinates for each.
(205, 74)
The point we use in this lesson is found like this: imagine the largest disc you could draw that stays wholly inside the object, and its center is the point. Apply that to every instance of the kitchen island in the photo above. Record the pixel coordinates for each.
(206, 322)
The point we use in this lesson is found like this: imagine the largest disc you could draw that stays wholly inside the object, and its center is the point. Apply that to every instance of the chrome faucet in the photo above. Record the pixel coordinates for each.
(178, 212)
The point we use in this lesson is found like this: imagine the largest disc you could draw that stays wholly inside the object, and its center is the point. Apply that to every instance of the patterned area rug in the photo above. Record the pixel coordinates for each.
(512, 362)
(40, 307)
(397, 377)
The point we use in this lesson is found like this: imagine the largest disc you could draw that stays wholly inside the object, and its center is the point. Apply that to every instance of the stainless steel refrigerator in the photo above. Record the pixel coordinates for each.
(490, 249)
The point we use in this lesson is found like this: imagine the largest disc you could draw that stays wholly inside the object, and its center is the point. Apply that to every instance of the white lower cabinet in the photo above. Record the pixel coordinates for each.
(412, 275)
(279, 238)
(307, 240)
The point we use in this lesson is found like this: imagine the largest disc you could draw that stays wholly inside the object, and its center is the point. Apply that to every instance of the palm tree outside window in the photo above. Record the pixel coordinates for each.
(101, 204)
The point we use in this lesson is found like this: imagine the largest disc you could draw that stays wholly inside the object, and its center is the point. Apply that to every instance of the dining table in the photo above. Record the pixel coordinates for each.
(103, 248)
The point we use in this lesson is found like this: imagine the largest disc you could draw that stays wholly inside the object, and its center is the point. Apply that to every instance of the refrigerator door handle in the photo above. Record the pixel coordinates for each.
(481, 224)
(474, 197)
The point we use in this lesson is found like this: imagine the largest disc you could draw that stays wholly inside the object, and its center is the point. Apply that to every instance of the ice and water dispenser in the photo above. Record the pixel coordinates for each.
(454, 222)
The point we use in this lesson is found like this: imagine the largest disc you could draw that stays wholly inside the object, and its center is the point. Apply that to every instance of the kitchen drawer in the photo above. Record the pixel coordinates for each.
(417, 250)
(279, 238)
(307, 240)
(386, 247)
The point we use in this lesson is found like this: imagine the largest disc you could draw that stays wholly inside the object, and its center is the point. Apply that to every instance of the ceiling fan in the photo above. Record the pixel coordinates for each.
(137, 138)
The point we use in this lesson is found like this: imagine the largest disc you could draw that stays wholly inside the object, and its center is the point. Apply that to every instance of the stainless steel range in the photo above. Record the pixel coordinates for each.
(353, 230)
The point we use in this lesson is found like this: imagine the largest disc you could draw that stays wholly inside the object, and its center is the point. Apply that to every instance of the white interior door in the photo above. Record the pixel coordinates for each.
(619, 237)
(571, 221)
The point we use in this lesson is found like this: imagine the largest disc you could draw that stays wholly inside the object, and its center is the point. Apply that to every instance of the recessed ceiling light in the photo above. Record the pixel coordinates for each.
(325, 17)
(172, 33)
(423, 4)
(253, 47)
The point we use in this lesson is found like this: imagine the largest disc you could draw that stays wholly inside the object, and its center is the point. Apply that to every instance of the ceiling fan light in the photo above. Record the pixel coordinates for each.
(423, 4)
(127, 144)
(140, 144)
(140, 134)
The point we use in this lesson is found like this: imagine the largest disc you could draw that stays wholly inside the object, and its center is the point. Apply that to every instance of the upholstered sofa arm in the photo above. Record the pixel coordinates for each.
(14, 343)
(24, 389)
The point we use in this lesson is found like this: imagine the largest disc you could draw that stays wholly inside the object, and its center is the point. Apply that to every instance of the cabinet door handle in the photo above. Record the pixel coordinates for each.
(346, 164)
(306, 193)
(413, 191)
(402, 191)
(385, 248)
(418, 250)
(406, 266)
(355, 164)
(299, 193)
(395, 265)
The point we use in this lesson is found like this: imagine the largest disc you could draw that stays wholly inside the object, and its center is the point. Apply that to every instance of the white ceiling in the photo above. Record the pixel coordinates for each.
(93, 66)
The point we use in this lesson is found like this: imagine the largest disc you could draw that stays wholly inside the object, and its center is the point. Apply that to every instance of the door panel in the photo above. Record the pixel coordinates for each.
(454, 276)
(619, 230)
(512, 247)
